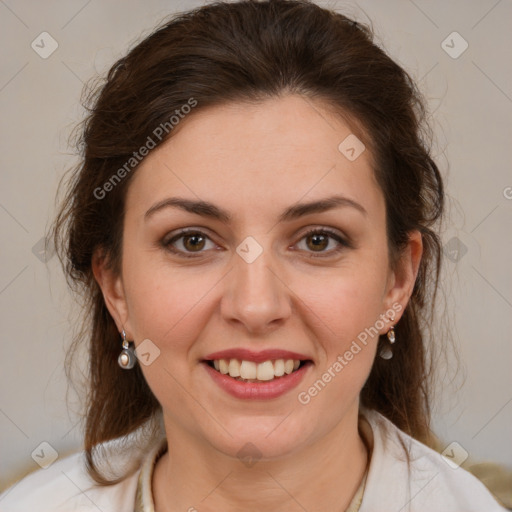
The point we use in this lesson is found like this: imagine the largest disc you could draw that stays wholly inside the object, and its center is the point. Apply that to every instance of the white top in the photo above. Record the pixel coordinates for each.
(430, 484)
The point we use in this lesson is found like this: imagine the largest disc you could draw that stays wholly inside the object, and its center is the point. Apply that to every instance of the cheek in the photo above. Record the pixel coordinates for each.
(346, 301)
(171, 308)
(348, 308)
(348, 304)
(165, 305)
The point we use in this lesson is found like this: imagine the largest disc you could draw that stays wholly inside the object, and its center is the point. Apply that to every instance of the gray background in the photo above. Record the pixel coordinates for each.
(470, 104)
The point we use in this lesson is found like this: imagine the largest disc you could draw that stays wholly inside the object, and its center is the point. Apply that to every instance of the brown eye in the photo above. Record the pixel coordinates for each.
(188, 243)
(193, 242)
(317, 242)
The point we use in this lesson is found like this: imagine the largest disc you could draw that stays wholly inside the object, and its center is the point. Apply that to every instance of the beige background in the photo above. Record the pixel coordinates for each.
(470, 98)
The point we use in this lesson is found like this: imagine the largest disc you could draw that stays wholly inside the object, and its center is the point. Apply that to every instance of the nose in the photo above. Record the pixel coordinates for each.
(256, 296)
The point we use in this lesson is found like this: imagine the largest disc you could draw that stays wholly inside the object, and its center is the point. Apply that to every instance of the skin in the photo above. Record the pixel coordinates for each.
(256, 160)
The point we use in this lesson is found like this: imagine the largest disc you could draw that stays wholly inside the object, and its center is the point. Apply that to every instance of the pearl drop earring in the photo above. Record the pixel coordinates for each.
(386, 352)
(127, 358)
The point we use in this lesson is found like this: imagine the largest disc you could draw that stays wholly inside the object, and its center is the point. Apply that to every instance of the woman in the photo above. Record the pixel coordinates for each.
(253, 226)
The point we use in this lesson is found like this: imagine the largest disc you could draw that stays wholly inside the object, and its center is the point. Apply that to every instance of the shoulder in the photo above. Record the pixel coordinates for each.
(65, 485)
(425, 483)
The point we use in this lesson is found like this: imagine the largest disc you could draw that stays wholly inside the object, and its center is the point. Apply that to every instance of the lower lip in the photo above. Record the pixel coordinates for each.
(258, 390)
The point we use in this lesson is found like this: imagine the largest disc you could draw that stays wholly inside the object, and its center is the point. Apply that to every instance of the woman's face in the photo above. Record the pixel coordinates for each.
(250, 277)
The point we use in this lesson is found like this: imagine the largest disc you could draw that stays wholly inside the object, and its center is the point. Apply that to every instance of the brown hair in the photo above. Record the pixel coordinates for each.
(250, 51)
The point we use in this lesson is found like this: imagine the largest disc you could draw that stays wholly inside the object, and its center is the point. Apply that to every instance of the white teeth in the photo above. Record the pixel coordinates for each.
(265, 371)
(279, 368)
(288, 366)
(249, 370)
(234, 368)
(223, 364)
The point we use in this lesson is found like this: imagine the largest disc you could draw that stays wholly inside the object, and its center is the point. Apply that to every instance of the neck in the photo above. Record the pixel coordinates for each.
(325, 475)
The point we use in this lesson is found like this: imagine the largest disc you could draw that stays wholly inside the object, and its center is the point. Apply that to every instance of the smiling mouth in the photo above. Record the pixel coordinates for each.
(249, 371)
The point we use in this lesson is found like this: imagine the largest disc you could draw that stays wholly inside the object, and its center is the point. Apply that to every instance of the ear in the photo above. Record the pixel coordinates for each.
(403, 277)
(112, 289)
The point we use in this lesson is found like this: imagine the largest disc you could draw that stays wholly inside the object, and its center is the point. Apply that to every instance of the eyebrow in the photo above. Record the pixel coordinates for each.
(207, 209)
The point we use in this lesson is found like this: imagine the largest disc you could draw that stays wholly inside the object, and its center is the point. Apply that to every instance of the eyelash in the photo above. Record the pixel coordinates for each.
(343, 244)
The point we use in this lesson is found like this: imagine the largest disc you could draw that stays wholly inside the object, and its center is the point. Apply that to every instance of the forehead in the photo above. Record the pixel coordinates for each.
(262, 155)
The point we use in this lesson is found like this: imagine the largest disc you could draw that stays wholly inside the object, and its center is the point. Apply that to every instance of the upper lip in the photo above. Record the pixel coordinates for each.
(257, 357)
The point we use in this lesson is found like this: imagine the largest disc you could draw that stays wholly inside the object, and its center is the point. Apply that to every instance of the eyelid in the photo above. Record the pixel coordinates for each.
(173, 237)
(343, 241)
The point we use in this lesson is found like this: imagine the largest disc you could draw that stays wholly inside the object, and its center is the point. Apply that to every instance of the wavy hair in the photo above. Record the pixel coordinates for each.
(249, 51)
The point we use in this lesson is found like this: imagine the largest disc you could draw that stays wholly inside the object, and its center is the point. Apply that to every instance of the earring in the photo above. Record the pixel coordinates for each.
(127, 358)
(386, 352)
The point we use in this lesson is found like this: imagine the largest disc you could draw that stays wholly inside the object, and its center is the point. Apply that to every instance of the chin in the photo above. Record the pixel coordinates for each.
(264, 437)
